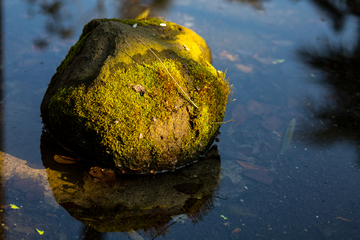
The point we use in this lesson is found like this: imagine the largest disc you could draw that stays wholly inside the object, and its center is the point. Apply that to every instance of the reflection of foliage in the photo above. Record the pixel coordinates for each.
(61, 15)
(55, 21)
(341, 75)
(257, 4)
(337, 10)
(132, 9)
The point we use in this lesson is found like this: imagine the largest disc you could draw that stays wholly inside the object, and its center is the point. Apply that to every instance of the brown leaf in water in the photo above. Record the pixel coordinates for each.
(270, 122)
(225, 55)
(239, 114)
(255, 107)
(244, 69)
(258, 175)
(267, 60)
(251, 166)
(344, 219)
(24, 229)
(236, 230)
(66, 160)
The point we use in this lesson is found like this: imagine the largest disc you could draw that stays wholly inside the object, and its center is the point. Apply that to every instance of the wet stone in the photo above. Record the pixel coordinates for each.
(126, 97)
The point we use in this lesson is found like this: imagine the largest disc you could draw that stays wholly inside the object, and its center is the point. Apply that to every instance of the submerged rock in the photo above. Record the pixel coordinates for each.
(138, 99)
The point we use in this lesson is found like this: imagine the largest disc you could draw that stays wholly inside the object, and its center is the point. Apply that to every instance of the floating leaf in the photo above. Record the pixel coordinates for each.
(251, 166)
(244, 69)
(258, 175)
(39, 231)
(24, 229)
(66, 160)
(236, 230)
(268, 60)
(239, 114)
(278, 61)
(223, 217)
(225, 55)
(288, 135)
(344, 219)
(13, 206)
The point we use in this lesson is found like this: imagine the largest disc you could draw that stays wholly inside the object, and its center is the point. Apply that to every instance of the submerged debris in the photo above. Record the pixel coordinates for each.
(288, 135)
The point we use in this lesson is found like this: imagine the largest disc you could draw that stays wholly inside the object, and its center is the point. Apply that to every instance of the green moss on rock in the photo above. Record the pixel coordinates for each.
(100, 114)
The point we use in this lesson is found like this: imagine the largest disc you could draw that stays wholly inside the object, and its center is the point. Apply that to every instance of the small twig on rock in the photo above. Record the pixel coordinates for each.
(187, 96)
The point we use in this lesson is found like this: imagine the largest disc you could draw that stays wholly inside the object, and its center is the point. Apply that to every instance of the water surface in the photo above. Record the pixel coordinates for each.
(285, 59)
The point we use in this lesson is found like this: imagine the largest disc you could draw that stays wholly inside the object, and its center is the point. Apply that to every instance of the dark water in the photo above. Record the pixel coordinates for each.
(286, 60)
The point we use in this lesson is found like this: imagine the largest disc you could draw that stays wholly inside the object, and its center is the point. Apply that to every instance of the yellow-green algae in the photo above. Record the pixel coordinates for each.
(116, 115)
(107, 118)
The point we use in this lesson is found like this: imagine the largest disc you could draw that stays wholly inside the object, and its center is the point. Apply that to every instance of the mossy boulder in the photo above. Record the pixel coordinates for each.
(139, 99)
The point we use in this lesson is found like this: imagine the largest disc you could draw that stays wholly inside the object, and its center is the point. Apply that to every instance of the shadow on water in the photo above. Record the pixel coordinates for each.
(148, 204)
(339, 114)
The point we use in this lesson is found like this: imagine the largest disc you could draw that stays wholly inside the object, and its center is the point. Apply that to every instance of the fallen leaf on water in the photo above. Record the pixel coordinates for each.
(244, 69)
(66, 160)
(267, 60)
(24, 229)
(288, 135)
(39, 231)
(223, 217)
(239, 114)
(251, 166)
(344, 219)
(236, 230)
(13, 206)
(278, 61)
(225, 55)
(258, 175)
(270, 122)
(255, 107)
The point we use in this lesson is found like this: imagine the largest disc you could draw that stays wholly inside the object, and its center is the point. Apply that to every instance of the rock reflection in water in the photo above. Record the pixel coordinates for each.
(137, 202)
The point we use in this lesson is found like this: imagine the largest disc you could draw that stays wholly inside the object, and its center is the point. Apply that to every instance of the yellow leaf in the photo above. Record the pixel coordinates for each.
(14, 206)
(39, 231)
